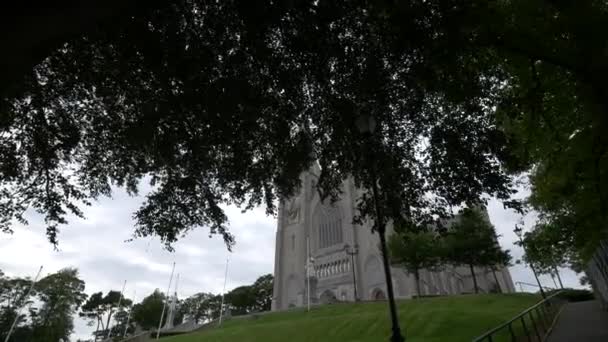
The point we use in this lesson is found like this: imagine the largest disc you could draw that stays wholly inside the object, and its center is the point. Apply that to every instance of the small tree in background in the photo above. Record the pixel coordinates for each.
(99, 308)
(93, 311)
(503, 259)
(262, 289)
(545, 249)
(52, 306)
(240, 300)
(471, 241)
(415, 250)
(147, 313)
(13, 298)
(251, 298)
(201, 307)
(62, 294)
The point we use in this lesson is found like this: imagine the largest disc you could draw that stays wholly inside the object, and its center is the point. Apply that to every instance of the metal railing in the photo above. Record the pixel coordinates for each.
(530, 325)
(597, 270)
(520, 283)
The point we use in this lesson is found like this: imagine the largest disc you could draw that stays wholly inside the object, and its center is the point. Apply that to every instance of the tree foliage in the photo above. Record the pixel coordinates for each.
(201, 307)
(99, 310)
(247, 299)
(13, 298)
(546, 251)
(146, 314)
(47, 314)
(227, 102)
(554, 113)
(118, 329)
(61, 293)
(242, 300)
(471, 241)
(263, 289)
(415, 250)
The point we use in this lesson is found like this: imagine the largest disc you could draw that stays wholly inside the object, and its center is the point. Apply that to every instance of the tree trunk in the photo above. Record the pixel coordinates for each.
(417, 277)
(47, 315)
(553, 278)
(97, 329)
(108, 322)
(496, 279)
(561, 285)
(474, 279)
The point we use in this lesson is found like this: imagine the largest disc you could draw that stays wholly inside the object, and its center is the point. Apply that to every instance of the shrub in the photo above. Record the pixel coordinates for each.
(576, 295)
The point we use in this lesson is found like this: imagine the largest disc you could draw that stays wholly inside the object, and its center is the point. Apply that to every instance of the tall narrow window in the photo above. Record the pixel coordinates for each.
(329, 227)
(293, 242)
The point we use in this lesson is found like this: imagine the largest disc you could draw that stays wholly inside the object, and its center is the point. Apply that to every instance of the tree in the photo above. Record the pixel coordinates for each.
(246, 299)
(50, 306)
(61, 294)
(201, 307)
(234, 110)
(99, 307)
(240, 300)
(546, 251)
(502, 259)
(13, 299)
(118, 329)
(562, 145)
(93, 311)
(262, 289)
(415, 250)
(471, 241)
(147, 313)
(256, 297)
(536, 62)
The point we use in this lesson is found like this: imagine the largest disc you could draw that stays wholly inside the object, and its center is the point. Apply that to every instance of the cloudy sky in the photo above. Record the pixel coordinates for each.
(96, 246)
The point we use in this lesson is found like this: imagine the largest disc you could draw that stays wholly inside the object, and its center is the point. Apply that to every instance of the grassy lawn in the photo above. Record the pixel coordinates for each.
(453, 319)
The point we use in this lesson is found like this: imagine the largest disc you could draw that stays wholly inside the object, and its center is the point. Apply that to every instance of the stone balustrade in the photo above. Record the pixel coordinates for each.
(332, 268)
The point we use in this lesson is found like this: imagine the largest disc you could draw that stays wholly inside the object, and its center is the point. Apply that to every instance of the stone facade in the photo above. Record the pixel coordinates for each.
(304, 219)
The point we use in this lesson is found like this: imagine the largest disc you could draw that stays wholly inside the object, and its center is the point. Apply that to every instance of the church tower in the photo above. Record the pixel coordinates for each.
(325, 231)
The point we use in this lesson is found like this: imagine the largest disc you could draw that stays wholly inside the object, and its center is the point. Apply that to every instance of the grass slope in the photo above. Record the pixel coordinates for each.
(453, 319)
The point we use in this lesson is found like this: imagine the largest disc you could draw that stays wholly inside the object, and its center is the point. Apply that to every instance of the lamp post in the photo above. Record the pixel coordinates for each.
(518, 232)
(352, 252)
(310, 264)
(367, 125)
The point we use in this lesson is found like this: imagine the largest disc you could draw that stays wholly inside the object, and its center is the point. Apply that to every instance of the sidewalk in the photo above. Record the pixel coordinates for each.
(581, 322)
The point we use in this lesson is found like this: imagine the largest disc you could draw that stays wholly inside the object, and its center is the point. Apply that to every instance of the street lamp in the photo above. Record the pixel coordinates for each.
(352, 252)
(366, 124)
(518, 232)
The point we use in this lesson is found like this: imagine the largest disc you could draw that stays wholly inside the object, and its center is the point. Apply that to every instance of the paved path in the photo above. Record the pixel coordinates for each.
(581, 322)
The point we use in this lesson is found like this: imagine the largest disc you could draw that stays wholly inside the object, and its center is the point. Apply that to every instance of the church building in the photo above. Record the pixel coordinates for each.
(346, 257)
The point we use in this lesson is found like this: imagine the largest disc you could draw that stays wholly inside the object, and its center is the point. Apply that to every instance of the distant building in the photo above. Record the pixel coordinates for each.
(328, 228)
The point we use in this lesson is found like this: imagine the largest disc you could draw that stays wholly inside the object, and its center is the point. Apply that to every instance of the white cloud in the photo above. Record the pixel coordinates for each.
(97, 247)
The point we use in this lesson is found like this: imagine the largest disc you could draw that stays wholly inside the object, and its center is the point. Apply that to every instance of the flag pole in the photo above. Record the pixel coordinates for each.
(10, 331)
(172, 306)
(308, 272)
(117, 308)
(129, 315)
(223, 292)
(162, 314)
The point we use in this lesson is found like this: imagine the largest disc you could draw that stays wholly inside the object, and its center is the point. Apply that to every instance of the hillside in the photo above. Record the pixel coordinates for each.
(456, 318)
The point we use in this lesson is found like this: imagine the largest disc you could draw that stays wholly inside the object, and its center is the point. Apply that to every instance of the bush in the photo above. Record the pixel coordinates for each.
(576, 295)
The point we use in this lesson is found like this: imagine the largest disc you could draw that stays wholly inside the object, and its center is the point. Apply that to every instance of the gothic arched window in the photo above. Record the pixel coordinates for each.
(329, 227)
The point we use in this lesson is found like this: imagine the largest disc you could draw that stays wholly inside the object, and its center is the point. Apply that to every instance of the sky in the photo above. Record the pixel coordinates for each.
(98, 247)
